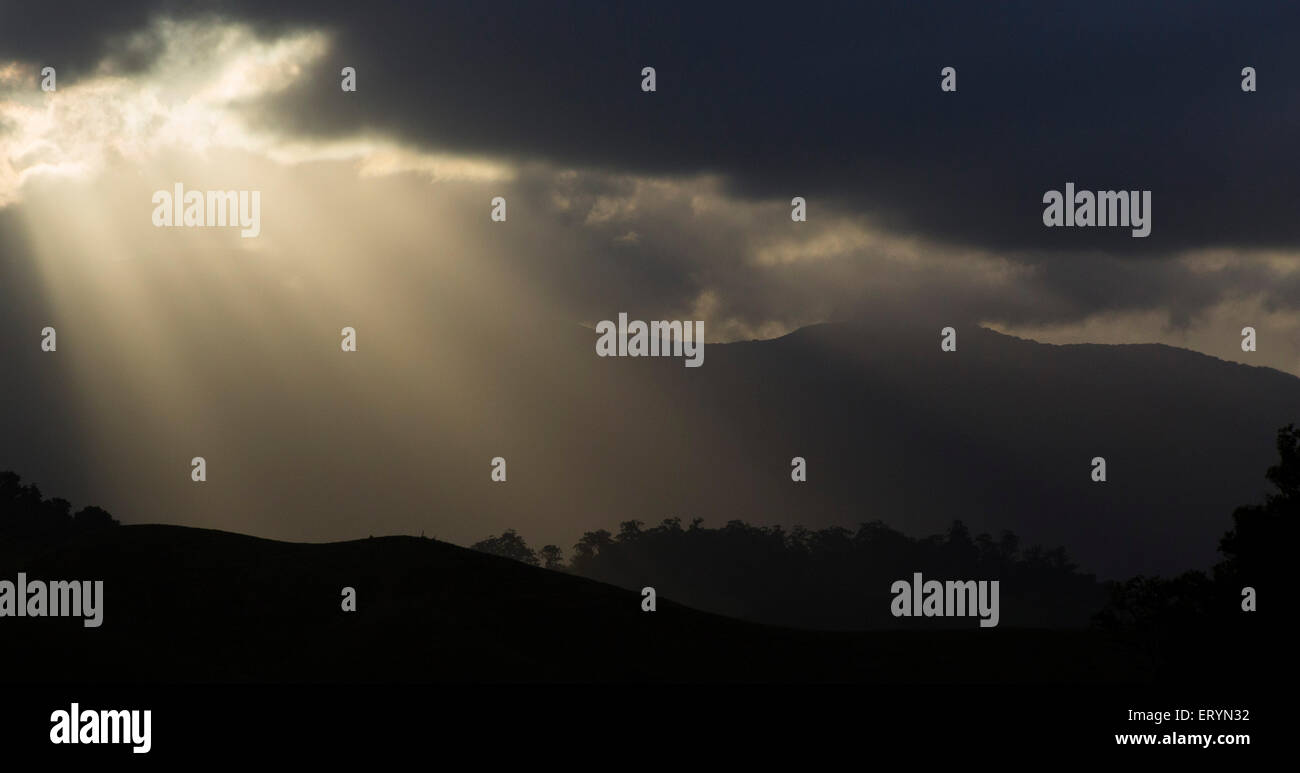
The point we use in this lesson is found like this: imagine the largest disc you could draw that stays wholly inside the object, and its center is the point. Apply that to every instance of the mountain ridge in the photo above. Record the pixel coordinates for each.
(999, 433)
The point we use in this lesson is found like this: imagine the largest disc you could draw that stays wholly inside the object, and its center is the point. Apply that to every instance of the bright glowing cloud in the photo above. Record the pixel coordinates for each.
(193, 98)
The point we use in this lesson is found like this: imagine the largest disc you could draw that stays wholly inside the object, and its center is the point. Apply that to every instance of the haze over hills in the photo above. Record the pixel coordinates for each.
(999, 434)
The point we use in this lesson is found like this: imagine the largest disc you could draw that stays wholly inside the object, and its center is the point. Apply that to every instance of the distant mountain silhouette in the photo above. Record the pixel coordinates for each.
(998, 434)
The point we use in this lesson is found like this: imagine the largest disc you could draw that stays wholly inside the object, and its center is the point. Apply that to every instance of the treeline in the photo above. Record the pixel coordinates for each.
(1254, 574)
(26, 515)
(838, 578)
(831, 579)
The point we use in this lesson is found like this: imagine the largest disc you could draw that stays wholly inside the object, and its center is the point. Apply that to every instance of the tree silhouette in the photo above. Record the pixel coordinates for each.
(508, 545)
(1162, 616)
(552, 557)
(590, 546)
(25, 515)
(88, 518)
(1263, 540)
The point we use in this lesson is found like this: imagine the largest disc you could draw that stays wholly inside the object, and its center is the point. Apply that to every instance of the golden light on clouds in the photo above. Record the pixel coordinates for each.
(192, 98)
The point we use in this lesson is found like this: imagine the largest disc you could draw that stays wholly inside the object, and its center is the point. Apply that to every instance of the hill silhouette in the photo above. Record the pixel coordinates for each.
(192, 605)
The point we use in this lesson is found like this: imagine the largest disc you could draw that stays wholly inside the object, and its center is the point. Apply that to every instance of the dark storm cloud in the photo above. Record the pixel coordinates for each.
(833, 103)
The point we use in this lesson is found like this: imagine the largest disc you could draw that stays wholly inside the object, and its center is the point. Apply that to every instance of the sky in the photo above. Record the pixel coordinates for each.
(673, 204)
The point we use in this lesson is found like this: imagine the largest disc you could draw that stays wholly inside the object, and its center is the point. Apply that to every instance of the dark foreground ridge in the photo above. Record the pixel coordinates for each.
(194, 605)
